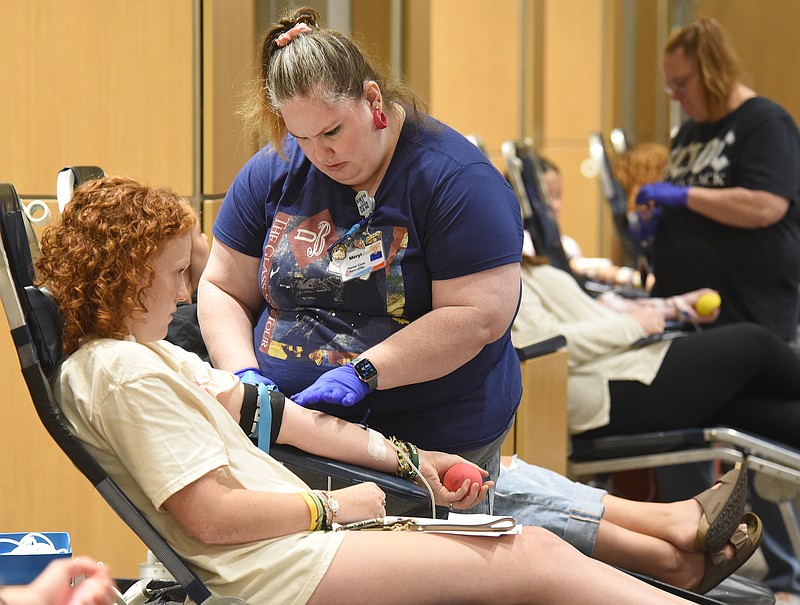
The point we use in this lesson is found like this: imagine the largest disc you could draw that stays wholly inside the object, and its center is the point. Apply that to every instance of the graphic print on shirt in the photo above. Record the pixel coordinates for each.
(395, 290)
(313, 314)
(701, 164)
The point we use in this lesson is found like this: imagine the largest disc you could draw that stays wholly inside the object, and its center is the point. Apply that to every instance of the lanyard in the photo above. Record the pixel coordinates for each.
(366, 208)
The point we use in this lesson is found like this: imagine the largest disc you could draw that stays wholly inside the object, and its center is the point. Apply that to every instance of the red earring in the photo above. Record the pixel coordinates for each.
(379, 119)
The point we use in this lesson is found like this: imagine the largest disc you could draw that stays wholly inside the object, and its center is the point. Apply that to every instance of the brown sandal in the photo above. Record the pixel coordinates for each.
(723, 508)
(716, 573)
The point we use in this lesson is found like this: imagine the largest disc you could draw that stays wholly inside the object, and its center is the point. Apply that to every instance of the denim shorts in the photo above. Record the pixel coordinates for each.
(488, 458)
(538, 496)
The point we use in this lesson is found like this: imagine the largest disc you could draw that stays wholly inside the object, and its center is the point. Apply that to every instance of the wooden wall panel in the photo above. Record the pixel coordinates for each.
(573, 101)
(475, 63)
(417, 48)
(573, 70)
(651, 100)
(372, 28)
(210, 212)
(102, 82)
(540, 426)
(229, 64)
(764, 34)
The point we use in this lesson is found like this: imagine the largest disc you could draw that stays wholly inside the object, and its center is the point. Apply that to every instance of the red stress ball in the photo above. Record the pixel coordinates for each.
(456, 474)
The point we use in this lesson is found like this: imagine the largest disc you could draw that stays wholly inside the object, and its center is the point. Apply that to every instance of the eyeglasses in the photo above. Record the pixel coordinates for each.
(679, 86)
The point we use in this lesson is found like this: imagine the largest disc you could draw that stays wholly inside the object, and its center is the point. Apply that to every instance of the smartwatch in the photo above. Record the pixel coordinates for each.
(366, 372)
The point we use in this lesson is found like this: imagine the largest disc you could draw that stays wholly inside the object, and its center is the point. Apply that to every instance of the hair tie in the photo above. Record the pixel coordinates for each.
(286, 37)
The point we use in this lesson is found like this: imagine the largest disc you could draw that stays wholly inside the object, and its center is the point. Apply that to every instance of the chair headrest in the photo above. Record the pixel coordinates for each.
(15, 236)
(46, 327)
(70, 177)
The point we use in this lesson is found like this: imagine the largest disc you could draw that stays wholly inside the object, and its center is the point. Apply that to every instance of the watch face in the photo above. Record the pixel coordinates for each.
(365, 369)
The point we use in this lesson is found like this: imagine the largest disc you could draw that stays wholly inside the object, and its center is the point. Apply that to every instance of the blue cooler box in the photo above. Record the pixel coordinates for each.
(21, 568)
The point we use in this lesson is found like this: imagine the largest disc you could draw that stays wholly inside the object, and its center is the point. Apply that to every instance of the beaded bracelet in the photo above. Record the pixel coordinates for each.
(414, 454)
(406, 455)
(330, 507)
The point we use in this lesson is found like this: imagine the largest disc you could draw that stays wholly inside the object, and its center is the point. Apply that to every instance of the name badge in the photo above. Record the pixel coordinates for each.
(362, 258)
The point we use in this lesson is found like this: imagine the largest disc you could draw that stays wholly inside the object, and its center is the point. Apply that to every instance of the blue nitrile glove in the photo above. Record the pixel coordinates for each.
(253, 376)
(643, 224)
(340, 386)
(663, 194)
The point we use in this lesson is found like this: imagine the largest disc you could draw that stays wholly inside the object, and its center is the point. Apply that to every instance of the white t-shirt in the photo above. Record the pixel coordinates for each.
(148, 414)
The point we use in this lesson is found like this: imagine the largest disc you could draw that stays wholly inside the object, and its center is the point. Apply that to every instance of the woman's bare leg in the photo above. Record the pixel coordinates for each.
(674, 522)
(535, 567)
(648, 555)
(656, 539)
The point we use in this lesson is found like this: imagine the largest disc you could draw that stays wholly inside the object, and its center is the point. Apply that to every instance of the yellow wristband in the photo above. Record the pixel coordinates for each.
(313, 509)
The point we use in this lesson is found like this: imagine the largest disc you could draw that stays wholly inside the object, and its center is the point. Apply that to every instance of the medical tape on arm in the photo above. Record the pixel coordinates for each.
(376, 447)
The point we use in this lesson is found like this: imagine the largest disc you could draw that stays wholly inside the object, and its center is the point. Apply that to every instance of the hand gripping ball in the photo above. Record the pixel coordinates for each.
(456, 474)
(707, 303)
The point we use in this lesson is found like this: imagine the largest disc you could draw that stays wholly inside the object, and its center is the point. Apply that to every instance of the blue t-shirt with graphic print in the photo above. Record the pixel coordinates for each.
(442, 211)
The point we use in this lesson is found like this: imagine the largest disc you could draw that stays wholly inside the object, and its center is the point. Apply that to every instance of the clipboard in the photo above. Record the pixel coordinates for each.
(654, 338)
(460, 524)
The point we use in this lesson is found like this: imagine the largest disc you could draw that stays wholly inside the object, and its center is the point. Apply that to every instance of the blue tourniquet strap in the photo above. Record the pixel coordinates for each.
(265, 416)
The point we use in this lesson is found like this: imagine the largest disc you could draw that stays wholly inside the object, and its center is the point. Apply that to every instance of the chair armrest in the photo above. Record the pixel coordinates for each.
(638, 444)
(351, 473)
(543, 347)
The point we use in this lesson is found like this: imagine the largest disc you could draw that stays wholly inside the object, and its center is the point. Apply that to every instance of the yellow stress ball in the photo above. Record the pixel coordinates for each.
(707, 303)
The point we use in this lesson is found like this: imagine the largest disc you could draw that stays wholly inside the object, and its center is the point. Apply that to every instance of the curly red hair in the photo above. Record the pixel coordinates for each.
(642, 164)
(94, 260)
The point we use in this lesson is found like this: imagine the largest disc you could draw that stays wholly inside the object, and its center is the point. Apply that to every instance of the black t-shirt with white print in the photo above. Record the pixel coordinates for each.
(757, 271)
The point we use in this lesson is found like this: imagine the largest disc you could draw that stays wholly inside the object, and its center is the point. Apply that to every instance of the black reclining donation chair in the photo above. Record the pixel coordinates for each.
(635, 254)
(36, 332)
(526, 176)
(619, 140)
(775, 471)
(775, 467)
